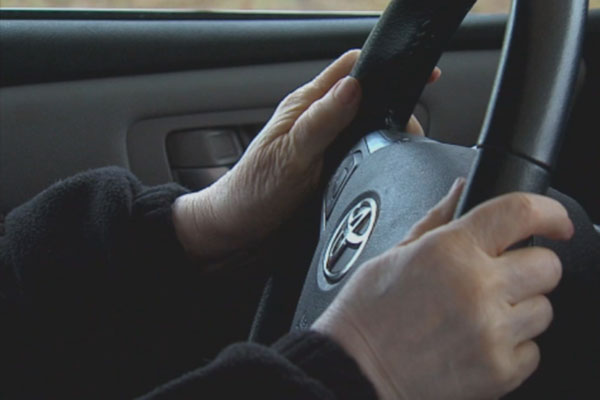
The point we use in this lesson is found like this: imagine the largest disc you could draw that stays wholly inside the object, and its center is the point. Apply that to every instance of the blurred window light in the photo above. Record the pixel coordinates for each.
(482, 6)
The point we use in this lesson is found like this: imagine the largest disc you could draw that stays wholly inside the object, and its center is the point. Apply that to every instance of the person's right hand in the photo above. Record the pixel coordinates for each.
(450, 313)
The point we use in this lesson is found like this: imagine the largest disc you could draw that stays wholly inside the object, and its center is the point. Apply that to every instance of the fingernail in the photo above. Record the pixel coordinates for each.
(346, 90)
(458, 184)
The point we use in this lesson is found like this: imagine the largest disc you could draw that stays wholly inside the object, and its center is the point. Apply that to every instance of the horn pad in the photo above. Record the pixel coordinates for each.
(364, 215)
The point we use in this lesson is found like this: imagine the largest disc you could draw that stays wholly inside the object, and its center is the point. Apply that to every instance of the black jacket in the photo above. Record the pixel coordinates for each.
(98, 300)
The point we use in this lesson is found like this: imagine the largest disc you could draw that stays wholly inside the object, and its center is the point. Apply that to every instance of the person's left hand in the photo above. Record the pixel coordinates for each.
(280, 168)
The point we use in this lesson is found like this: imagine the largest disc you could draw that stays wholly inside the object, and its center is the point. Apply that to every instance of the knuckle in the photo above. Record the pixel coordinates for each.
(494, 338)
(299, 98)
(534, 355)
(438, 245)
(545, 266)
(474, 299)
(499, 367)
(435, 213)
(317, 87)
(290, 100)
(451, 250)
(445, 237)
(430, 242)
(552, 266)
(493, 329)
(522, 201)
(525, 367)
(461, 236)
(545, 309)
(312, 113)
(507, 371)
(522, 205)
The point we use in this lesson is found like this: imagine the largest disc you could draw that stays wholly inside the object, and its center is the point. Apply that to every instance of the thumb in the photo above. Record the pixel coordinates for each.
(439, 215)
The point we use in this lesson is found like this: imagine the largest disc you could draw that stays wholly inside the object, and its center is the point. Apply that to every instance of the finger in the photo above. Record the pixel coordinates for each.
(414, 127)
(340, 68)
(501, 222)
(531, 318)
(298, 101)
(435, 75)
(319, 125)
(530, 272)
(439, 215)
(527, 360)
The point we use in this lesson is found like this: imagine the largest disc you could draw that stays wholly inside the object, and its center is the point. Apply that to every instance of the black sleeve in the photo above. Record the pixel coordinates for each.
(303, 365)
(78, 262)
(98, 300)
(70, 240)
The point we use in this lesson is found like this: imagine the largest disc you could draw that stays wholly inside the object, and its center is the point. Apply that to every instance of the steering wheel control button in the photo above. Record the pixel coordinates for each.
(340, 179)
(349, 240)
(338, 183)
(377, 141)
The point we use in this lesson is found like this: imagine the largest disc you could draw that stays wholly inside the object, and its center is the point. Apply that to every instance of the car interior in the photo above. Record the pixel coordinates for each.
(176, 96)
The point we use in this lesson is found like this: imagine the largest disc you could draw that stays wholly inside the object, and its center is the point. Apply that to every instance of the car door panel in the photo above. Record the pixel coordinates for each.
(71, 126)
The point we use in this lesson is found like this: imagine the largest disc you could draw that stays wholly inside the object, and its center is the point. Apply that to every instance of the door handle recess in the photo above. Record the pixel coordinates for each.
(204, 148)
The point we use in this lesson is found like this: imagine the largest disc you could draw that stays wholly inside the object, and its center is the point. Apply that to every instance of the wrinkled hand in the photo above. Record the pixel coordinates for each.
(280, 168)
(450, 313)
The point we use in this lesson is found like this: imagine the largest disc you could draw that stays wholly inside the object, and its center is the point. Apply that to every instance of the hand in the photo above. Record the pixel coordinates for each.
(280, 168)
(450, 313)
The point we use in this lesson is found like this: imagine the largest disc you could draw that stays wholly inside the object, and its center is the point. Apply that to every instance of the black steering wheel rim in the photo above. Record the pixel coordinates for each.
(530, 102)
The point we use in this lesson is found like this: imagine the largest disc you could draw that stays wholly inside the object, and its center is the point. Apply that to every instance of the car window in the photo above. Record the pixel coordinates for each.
(289, 5)
(482, 6)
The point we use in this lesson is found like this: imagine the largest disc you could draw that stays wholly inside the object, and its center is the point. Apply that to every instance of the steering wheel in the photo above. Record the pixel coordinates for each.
(380, 181)
(385, 181)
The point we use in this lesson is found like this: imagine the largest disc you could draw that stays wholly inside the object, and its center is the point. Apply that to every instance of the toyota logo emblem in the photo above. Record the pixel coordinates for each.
(349, 240)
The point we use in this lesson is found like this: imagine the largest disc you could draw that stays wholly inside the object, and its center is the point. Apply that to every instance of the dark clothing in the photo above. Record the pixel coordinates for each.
(98, 300)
